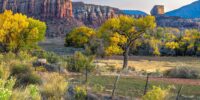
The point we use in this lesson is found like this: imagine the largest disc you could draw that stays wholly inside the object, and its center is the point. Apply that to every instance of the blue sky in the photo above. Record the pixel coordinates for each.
(144, 5)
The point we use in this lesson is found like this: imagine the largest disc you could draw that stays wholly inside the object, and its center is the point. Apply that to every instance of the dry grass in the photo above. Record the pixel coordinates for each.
(151, 64)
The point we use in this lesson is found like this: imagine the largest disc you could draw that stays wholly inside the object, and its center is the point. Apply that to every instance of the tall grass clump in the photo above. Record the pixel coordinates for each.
(54, 86)
(31, 92)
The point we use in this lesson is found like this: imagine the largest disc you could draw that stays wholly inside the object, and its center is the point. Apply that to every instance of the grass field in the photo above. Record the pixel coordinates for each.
(134, 86)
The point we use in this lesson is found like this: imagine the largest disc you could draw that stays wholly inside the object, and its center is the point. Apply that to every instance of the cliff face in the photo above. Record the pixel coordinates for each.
(93, 15)
(39, 8)
(56, 13)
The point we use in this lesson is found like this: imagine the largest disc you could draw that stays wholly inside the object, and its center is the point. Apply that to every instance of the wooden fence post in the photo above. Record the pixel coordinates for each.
(146, 85)
(179, 91)
(115, 86)
(86, 74)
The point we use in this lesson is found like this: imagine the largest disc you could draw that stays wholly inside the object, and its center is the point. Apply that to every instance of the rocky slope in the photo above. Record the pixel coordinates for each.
(189, 11)
(93, 15)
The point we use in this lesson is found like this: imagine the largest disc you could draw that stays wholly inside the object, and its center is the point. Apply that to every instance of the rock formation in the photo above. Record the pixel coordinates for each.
(39, 8)
(158, 10)
(56, 13)
(93, 15)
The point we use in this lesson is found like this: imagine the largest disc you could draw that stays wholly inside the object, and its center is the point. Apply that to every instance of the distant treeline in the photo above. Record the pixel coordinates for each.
(168, 42)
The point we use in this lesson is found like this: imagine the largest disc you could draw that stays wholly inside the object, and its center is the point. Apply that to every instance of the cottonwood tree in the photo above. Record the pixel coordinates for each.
(80, 36)
(18, 32)
(121, 32)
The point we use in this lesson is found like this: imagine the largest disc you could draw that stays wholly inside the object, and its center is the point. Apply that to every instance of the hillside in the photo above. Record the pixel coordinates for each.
(133, 12)
(189, 11)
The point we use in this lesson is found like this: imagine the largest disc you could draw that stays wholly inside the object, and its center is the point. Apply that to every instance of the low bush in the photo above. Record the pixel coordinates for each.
(80, 93)
(157, 93)
(50, 56)
(20, 69)
(183, 72)
(29, 79)
(78, 63)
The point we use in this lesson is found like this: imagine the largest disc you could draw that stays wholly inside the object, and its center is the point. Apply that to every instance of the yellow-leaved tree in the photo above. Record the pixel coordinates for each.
(18, 32)
(80, 36)
(120, 33)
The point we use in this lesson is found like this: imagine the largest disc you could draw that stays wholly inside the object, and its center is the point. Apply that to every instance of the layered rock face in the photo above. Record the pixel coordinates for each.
(158, 10)
(39, 8)
(93, 15)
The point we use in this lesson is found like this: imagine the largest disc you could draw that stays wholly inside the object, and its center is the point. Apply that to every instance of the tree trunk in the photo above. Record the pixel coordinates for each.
(125, 63)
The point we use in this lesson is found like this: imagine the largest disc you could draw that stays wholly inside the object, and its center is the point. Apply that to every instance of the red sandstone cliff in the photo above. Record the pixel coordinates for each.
(39, 8)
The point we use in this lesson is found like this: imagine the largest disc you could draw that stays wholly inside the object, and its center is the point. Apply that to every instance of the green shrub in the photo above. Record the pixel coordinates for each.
(50, 56)
(29, 79)
(157, 93)
(80, 93)
(20, 69)
(78, 63)
(183, 72)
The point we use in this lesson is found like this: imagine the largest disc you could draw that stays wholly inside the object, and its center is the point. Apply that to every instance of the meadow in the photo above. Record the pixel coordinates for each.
(132, 85)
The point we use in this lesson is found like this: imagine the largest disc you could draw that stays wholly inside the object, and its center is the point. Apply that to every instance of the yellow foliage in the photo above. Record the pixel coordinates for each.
(156, 94)
(17, 31)
(80, 93)
(113, 49)
(118, 39)
(121, 32)
(80, 36)
(172, 45)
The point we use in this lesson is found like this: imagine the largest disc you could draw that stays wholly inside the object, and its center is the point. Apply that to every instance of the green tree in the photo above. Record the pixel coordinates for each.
(80, 36)
(121, 32)
(19, 32)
